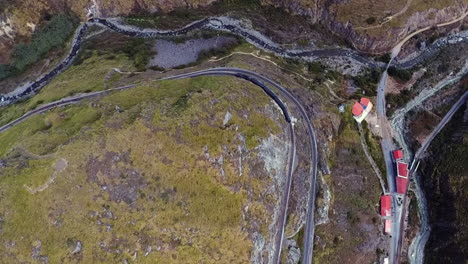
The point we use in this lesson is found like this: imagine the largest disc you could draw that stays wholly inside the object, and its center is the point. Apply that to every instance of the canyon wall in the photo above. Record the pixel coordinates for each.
(387, 23)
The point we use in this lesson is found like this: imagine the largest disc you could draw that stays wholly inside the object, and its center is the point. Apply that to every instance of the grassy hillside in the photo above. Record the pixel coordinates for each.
(149, 171)
(77, 79)
(353, 234)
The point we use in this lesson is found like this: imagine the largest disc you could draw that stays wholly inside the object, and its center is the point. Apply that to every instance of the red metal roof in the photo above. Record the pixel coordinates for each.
(357, 109)
(386, 205)
(401, 184)
(388, 226)
(402, 169)
(398, 154)
(365, 101)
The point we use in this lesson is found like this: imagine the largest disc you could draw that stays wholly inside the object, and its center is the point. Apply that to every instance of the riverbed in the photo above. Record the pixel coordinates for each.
(171, 54)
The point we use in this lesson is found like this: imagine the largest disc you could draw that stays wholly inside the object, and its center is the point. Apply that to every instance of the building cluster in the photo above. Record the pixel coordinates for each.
(402, 172)
(360, 110)
(401, 180)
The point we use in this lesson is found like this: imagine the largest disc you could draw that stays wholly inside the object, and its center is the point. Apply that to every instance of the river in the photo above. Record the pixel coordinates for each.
(222, 23)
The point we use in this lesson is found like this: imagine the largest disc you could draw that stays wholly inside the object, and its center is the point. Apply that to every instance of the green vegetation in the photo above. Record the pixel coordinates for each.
(138, 50)
(215, 52)
(371, 20)
(373, 142)
(356, 193)
(182, 16)
(77, 79)
(315, 67)
(413, 218)
(367, 83)
(397, 100)
(5, 71)
(161, 189)
(299, 237)
(303, 42)
(400, 74)
(52, 35)
(384, 58)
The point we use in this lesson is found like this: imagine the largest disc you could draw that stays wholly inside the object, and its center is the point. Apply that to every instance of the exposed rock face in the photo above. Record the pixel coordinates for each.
(125, 7)
(392, 35)
(19, 19)
(77, 248)
(320, 11)
(312, 8)
(294, 253)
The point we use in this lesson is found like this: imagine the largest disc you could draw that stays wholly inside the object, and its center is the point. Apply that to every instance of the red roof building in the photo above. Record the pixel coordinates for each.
(361, 109)
(388, 226)
(402, 169)
(364, 101)
(398, 154)
(401, 184)
(357, 109)
(386, 205)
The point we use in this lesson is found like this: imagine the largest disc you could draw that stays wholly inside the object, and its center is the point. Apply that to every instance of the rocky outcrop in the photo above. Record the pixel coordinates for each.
(125, 7)
(320, 11)
(389, 37)
(19, 19)
(314, 9)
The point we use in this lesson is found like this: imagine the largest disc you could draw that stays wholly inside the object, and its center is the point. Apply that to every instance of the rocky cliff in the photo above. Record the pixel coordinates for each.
(380, 39)
(370, 27)
(19, 19)
(375, 27)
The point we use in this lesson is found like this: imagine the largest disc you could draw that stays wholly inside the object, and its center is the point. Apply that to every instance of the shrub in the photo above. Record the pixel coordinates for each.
(303, 42)
(403, 75)
(156, 68)
(442, 68)
(433, 38)
(368, 82)
(52, 35)
(397, 100)
(83, 55)
(371, 20)
(219, 51)
(384, 58)
(316, 67)
(5, 71)
(139, 50)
